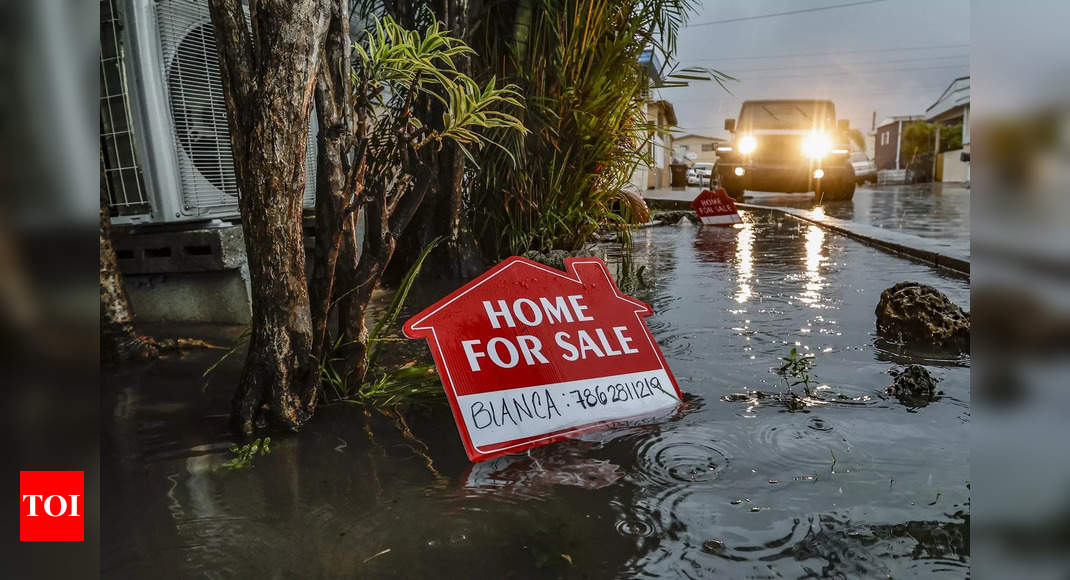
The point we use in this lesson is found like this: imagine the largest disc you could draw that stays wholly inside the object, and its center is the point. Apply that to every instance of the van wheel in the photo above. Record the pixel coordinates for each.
(840, 192)
(735, 193)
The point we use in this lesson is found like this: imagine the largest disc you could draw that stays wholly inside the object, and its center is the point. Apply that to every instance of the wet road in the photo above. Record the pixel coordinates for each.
(938, 212)
(853, 484)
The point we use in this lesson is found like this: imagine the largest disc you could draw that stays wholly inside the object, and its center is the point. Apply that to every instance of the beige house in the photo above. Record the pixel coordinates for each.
(691, 149)
(656, 174)
(951, 110)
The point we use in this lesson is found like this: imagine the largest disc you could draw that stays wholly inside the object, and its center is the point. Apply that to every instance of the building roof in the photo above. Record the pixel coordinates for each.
(897, 118)
(696, 136)
(670, 111)
(957, 94)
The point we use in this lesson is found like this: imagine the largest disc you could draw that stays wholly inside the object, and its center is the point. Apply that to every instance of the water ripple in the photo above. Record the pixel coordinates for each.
(805, 448)
(681, 456)
(779, 540)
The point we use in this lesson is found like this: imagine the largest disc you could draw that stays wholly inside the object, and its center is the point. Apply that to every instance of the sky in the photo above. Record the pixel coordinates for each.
(894, 57)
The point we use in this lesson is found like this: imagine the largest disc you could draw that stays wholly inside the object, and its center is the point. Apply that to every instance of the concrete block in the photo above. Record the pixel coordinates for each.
(216, 297)
(194, 250)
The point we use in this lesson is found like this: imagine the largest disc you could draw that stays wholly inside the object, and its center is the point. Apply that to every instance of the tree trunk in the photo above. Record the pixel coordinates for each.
(352, 324)
(333, 190)
(442, 214)
(268, 79)
(119, 340)
(359, 278)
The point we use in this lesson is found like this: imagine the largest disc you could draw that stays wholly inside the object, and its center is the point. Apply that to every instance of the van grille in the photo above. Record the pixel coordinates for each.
(778, 148)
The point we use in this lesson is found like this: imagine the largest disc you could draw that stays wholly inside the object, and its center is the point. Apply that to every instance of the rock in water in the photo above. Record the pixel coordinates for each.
(914, 386)
(551, 258)
(922, 314)
(556, 258)
(672, 217)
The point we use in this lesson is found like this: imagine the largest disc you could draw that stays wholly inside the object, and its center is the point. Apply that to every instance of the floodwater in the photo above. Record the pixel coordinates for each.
(937, 212)
(855, 484)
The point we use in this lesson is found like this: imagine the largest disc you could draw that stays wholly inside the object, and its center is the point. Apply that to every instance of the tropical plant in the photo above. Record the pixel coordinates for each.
(919, 139)
(857, 138)
(382, 167)
(374, 154)
(579, 65)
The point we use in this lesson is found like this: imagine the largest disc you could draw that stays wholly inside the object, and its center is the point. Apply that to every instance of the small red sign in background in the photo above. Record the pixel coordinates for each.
(716, 208)
(51, 506)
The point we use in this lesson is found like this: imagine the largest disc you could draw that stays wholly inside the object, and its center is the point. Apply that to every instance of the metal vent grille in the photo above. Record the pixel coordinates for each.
(123, 177)
(198, 111)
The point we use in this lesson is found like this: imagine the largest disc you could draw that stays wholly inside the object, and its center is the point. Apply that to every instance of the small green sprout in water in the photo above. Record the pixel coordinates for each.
(245, 455)
(796, 370)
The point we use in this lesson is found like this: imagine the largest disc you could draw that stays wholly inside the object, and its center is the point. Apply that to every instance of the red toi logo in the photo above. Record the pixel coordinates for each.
(51, 506)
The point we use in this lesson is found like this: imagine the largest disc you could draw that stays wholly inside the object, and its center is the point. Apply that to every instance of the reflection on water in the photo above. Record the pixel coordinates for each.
(744, 260)
(858, 487)
(815, 237)
(938, 211)
(533, 474)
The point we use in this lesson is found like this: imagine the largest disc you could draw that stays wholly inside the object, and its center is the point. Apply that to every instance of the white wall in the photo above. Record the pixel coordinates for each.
(954, 169)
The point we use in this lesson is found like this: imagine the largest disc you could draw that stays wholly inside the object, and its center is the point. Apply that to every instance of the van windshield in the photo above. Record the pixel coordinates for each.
(813, 115)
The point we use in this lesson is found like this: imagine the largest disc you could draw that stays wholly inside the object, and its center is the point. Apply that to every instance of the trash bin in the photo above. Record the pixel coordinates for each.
(679, 175)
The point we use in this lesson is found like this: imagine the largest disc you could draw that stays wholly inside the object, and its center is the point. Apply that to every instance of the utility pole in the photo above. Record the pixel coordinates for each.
(873, 131)
(898, 143)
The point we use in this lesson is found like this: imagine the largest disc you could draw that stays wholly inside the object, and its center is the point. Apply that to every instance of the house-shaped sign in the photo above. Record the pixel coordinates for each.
(529, 355)
(716, 208)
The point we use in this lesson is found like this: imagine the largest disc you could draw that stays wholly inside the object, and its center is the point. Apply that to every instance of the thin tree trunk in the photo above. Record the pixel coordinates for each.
(360, 277)
(442, 216)
(333, 191)
(350, 309)
(383, 229)
(268, 79)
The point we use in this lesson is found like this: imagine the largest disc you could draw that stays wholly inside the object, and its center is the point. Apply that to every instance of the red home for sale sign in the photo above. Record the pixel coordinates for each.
(716, 208)
(529, 354)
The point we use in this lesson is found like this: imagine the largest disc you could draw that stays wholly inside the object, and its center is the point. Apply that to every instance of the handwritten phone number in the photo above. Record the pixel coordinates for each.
(616, 393)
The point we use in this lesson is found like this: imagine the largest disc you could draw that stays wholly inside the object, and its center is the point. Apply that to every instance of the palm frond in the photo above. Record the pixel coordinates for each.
(577, 62)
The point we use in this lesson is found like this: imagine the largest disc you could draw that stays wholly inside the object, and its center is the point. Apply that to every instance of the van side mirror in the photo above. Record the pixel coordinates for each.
(843, 124)
(730, 125)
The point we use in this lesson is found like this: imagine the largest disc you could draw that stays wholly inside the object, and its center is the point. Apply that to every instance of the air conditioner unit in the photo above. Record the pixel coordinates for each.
(179, 115)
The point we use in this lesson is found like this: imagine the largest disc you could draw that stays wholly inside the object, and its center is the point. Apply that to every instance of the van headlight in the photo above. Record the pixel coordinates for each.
(747, 144)
(816, 145)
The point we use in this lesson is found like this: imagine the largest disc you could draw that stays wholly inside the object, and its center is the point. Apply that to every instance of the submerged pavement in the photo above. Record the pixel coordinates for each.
(930, 221)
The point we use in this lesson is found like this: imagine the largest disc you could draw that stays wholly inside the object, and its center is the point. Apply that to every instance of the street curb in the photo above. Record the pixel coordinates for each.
(897, 243)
